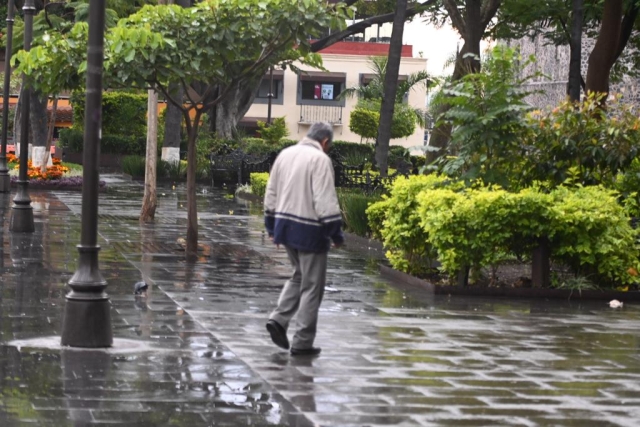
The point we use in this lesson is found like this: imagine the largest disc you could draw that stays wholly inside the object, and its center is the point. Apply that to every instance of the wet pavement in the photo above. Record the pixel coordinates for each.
(195, 351)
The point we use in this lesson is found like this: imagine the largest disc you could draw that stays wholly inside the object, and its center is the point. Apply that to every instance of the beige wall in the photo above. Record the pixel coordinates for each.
(352, 66)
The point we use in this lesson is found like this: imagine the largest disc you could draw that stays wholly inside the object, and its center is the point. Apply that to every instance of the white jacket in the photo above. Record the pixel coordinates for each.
(301, 205)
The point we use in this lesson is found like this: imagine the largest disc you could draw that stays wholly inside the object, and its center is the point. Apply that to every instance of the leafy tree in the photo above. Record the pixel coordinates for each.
(374, 90)
(365, 120)
(230, 110)
(473, 19)
(487, 111)
(614, 23)
(221, 42)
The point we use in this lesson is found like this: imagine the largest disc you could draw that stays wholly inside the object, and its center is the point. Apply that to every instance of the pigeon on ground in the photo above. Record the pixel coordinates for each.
(615, 304)
(140, 288)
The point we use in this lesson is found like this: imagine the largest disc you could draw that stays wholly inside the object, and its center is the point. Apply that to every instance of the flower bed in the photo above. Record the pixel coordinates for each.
(56, 177)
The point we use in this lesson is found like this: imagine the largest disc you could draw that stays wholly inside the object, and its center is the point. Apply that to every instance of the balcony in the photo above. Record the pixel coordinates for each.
(321, 113)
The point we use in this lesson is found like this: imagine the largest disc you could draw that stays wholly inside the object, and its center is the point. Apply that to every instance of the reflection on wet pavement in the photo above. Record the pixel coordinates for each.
(392, 355)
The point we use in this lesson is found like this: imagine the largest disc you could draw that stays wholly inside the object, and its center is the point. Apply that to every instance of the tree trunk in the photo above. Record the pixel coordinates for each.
(467, 60)
(192, 213)
(604, 52)
(233, 108)
(52, 127)
(38, 126)
(150, 200)
(390, 88)
(17, 125)
(575, 72)
(173, 127)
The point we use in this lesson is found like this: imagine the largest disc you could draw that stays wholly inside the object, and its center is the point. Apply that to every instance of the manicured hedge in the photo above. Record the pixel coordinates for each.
(427, 217)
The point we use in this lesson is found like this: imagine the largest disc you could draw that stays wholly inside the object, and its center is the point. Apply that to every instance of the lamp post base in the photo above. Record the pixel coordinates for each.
(87, 324)
(22, 219)
(5, 183)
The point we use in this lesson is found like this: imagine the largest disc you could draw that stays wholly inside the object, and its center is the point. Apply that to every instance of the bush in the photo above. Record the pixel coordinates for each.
(353, 205)
(134, 166)
(364, 122)
(273, 132)
(123, 113)
(174, 170)
(586, 229)
(354, 153)
(591, 233)
(72, 139)
(477, 228)
(259, 183)
(121, 144)
(396, 221)
(365, 118)
(589, 145)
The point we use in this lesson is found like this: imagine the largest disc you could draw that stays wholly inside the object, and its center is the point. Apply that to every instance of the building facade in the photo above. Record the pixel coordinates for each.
(550, 88)
(312, 95)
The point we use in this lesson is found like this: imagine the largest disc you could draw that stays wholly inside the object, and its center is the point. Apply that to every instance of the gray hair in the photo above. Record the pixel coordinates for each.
(320, 131)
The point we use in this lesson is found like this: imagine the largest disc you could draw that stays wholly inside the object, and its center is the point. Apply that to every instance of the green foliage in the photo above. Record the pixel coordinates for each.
(365, 118)
(174, 170)
(353, 153)
(581, 142)
(587, 230)
(591, 233)
(167, 44)
(364, 122)
(73, 140)
(274, 132)
(396, 221)
(353, 205)
(123, 113)
(486, 113)
(628, 185)
(259, 183)
(374, 90)
(134, 166)
(487, 224)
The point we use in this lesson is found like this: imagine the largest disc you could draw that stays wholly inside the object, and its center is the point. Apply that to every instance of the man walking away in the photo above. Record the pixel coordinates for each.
(302, 213)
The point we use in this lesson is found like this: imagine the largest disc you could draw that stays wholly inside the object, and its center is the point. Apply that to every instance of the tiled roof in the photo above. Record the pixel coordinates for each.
(64, 114)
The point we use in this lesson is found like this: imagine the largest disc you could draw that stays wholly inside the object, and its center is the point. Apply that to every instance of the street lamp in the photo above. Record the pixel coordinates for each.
(5, 179)
(22, 212)
(270, 94)
(87, 315)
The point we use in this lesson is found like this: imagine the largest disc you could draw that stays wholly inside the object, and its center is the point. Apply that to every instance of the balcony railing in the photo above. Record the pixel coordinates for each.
(321, 113)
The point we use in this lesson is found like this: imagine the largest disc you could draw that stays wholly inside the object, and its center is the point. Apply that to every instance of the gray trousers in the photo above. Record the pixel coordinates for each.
(302, 294)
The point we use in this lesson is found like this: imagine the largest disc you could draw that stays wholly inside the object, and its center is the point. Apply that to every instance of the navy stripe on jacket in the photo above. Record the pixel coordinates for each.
(301, 234)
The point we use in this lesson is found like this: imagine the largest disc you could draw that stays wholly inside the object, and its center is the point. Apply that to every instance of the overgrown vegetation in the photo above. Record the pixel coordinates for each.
(259, 183)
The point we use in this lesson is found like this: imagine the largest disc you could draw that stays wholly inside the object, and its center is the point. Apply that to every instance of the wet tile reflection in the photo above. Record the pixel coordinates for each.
(392, 354)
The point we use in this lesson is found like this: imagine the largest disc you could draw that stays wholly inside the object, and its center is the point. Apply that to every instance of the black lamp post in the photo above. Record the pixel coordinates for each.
(87, 315)
(270, 95)
(22, 212)
(5, 180)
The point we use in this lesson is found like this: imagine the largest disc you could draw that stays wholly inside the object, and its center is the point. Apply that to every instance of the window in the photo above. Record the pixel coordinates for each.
(321, 91)
(263, 90)
(321, 88)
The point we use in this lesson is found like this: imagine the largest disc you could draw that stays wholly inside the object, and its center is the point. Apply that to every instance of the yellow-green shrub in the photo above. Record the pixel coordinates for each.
(586, 228)
(396, 221)
(259, 183)
(591, 233)
(477, 227)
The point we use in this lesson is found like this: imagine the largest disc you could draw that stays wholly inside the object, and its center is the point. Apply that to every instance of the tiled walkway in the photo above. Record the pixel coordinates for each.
(392, 355)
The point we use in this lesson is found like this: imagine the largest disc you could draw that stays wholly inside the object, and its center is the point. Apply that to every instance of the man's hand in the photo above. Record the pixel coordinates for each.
(338, 245)
(277, 244)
